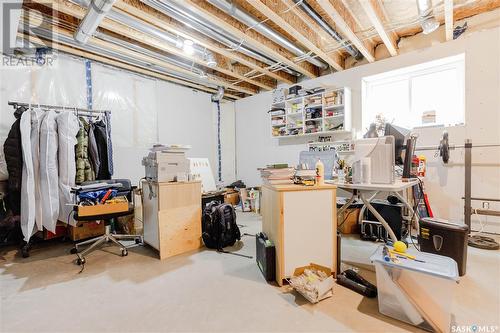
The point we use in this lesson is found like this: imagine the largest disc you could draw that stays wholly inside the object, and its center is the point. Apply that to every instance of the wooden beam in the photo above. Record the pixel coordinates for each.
(448, 19)
(79, 12)
(376, 15)
(122, 65)
(333, 11)
(275, 10)
(249, 36)
(162, 21)
(36, 21)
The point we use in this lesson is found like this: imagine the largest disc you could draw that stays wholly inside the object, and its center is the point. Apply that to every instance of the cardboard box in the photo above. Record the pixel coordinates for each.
(60, 231)
(348, 221)
(316, 290)
(98, 210)
(86, 229)
(232, 198)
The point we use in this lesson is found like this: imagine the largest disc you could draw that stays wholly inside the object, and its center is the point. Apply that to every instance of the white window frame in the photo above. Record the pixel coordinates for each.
(456, 62)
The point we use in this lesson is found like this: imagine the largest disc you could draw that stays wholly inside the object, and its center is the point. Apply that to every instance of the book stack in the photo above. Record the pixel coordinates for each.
(277, 174)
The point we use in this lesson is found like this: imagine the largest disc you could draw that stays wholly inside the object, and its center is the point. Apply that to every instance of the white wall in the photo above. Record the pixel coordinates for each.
(144, 111)
(256, 148)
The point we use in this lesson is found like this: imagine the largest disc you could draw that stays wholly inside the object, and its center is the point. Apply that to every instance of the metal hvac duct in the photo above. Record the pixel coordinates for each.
(116, 55)
(427, 19)
(316, 17)
(193, 21)
(242, 16)
(96, 12)
(155, 32)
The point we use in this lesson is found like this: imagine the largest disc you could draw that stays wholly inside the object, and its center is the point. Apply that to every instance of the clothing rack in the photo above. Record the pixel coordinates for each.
(57, 108)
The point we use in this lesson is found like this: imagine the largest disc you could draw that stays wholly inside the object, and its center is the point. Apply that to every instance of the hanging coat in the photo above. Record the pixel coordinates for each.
(49, 171)
(36, 120)
(93, 152)
(28, 181)
(13, 152)
(67, 127)
(101, 138)
(107, 117)
(84, 170)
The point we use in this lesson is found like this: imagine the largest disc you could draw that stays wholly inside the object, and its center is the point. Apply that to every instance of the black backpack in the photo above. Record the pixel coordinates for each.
(219, 228)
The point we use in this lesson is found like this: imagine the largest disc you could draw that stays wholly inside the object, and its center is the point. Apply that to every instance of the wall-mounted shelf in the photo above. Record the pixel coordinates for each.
(330, 113)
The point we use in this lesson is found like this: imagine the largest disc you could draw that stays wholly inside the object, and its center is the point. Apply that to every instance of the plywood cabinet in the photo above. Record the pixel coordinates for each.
(172, 217)
(302, 223)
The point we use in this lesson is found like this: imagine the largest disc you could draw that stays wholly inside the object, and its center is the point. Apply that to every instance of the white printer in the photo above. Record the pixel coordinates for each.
(167, 163)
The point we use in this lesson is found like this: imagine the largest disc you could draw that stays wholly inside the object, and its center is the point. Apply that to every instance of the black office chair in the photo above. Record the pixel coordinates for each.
(124, 188)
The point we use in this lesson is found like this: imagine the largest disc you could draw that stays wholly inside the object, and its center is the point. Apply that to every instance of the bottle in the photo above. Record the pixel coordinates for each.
(320, 172)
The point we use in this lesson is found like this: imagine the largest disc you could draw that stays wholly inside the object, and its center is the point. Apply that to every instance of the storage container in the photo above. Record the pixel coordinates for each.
(417, 292)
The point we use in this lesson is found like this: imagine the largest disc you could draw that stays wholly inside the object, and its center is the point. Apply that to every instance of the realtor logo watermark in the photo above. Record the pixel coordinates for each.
(474, 329)
(26, 35)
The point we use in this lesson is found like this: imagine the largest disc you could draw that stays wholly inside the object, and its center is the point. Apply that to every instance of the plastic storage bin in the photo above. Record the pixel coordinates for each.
(419, 293)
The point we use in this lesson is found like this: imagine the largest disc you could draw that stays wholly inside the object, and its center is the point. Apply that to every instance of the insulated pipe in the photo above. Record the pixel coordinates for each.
(127, 59)
(149, 30)
(312, 13)
(242, 16)
(191, 20)
(427, 19)
(96, 12)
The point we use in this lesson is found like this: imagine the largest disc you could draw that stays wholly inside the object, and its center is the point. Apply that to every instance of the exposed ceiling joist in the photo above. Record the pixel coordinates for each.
(79, 12)
(325, 37)
(168, 24)
(290, 23)
(347, 29)
(376, 16)
(448, 19)
(36, 21)
(249, 36)
(123, 65)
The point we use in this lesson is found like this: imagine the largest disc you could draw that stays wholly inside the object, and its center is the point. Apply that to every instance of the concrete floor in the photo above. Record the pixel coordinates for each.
(204, 291)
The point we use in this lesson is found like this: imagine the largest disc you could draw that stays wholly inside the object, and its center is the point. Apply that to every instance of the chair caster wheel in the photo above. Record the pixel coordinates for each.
(25, 252)
(80, 261)
(124, 253)
(73, 250)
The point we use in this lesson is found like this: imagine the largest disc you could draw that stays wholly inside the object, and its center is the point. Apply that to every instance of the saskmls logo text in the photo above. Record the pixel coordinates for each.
(474, 329)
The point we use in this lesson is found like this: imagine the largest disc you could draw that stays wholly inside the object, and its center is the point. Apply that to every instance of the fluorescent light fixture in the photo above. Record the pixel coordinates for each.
(188, 47)
(96, 12)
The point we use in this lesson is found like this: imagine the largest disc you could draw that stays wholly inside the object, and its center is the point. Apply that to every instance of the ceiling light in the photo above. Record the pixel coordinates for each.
(188, 47)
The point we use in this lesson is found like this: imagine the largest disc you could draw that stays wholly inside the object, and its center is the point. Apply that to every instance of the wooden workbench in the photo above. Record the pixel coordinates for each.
(302, 223)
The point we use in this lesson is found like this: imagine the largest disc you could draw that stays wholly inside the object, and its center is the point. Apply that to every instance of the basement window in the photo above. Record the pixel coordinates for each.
(428, 94)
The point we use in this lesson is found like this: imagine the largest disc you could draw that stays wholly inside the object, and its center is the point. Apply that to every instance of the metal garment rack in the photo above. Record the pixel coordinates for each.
(57, 108)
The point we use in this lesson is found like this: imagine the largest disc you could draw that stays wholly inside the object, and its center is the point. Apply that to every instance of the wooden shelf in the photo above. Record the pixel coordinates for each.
(301, 102)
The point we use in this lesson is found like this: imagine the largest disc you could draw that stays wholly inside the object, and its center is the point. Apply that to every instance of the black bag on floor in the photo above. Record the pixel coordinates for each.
(219, 228)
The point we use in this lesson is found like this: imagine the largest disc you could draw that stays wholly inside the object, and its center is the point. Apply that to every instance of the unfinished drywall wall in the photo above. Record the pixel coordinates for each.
(145, 111)
(444, 183)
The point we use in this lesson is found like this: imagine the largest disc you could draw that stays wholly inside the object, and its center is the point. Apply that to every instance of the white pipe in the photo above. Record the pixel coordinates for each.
(95, 14)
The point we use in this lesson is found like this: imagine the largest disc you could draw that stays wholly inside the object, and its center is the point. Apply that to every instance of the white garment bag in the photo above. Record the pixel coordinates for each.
(49, 171)
(28, 181)
(67, 127)
(36, 120)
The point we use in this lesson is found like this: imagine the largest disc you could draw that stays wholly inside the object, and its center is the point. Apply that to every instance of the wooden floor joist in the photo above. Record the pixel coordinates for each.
(276, 11)
(164, 22)
(249, 36)
(375, 14)
(37, 21)
(448, 19)
(123, 65)
(346, 25)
